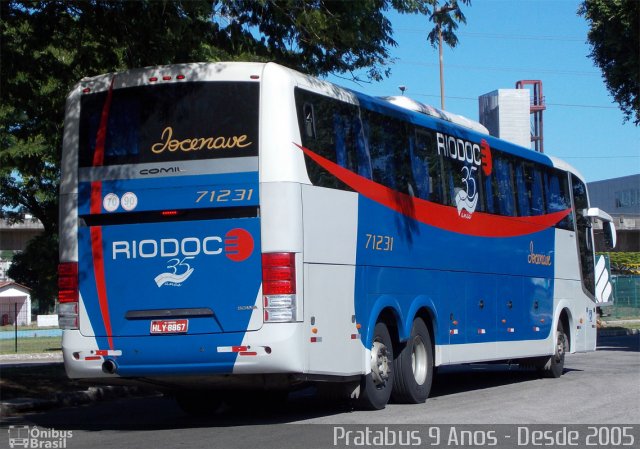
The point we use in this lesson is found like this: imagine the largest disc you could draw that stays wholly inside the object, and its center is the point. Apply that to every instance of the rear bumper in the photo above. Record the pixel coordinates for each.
(276, 348)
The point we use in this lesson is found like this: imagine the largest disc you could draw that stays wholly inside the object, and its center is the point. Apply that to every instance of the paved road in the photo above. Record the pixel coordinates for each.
(597, 388)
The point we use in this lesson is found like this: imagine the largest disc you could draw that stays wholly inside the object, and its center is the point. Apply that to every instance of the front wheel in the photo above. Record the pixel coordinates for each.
(375, 387)
(414, 367)
(554, 365)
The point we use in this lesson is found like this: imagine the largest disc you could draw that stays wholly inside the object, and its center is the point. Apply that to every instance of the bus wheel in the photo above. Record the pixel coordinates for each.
(554, 365)
(198, 403)
(414, 367)
(375, 387)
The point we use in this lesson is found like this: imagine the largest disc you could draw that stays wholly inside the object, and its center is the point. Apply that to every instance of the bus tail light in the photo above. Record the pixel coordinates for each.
(279, 287)
(68, 295)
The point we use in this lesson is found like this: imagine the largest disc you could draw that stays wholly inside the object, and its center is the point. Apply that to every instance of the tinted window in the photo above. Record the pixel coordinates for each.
(421, 162)
(558, 197)
(175, 121)
(585, 241)
(426, 166)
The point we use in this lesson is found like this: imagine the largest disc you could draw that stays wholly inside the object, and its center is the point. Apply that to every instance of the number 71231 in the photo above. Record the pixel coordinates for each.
(224, 195)
(379, 242)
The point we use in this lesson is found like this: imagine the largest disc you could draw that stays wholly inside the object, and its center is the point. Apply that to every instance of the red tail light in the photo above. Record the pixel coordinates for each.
(68, 282)
(279, 287)
(278, 274)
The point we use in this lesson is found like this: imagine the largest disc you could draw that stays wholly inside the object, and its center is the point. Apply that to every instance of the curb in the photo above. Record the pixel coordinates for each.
(40, 357)
(16, 406)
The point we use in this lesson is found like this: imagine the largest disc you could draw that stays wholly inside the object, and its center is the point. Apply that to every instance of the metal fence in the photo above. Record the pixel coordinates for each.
(19, 333)
(626, 293)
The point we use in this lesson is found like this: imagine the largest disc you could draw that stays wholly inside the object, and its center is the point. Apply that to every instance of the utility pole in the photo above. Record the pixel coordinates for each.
(437, 12)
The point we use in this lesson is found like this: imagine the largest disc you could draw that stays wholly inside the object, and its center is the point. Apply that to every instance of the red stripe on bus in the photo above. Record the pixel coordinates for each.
(95, 207)
(433, 214)
(95, 202)
(98, 154)
(98, 271)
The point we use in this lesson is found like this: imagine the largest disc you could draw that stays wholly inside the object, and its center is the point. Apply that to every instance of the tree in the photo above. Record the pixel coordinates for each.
(47, 46)
(614, 36)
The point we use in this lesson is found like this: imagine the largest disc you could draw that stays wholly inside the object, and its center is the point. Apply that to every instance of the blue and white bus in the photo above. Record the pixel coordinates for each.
(232, 226)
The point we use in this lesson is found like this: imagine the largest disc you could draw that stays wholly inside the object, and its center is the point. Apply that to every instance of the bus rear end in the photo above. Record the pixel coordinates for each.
(161, 269)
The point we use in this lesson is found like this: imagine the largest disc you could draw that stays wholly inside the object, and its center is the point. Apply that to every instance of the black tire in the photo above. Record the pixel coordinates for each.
(413, 367)
(554, 365)
(375, 387)
(199, 403)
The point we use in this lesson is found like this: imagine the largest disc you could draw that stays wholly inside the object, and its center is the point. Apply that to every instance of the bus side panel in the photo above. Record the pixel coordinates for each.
(569, 290)
(404, 259)
(330, 225)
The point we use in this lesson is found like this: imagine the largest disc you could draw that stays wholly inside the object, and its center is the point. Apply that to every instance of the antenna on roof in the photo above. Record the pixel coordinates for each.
(402, 89)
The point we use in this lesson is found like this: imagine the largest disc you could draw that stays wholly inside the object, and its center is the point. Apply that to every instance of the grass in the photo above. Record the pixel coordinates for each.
(11, 328)
(31, 345)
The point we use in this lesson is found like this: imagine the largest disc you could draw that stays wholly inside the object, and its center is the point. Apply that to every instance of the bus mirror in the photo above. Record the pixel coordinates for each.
(607, 225)
(609, 234)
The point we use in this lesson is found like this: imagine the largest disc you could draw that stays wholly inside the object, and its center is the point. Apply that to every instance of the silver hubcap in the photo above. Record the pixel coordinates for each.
(380, 364)
(419, 360)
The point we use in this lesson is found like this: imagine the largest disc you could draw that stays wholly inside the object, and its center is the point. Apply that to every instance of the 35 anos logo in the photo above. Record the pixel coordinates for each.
(237, 245)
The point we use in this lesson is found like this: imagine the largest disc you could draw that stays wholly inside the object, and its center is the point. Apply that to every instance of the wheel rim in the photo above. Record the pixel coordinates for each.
(419, 360)
(380, 364)
(559, 347)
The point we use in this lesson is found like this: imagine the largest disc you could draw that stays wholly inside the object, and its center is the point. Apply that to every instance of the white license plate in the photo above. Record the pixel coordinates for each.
(169, 326)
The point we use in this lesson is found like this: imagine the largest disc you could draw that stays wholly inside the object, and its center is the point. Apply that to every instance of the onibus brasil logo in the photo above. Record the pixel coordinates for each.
(237, 245)
(36, 437)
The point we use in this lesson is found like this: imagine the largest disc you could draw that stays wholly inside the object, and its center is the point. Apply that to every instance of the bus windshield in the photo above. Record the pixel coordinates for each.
(170, 122)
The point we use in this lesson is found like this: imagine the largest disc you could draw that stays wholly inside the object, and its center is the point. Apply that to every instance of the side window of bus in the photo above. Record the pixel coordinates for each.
(489, 183)
(503, 187)
(344, 141)
(361, 133)
(389, 150)
(529, 188)
(537, 192)
(461, 179)
(426, 166)
(327, 128)
(558, 197)
(585, 242)
(381, 149)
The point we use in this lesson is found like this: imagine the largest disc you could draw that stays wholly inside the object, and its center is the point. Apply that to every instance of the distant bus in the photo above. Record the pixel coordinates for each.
(241, 226)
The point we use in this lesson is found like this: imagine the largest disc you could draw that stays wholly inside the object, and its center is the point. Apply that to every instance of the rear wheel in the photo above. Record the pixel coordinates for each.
(414, 367)
(375, 387)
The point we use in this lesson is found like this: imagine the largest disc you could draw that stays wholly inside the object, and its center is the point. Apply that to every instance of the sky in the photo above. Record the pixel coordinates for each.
(505, 41)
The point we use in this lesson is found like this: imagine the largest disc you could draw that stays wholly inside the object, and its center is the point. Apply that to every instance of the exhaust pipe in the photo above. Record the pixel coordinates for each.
(109, 367)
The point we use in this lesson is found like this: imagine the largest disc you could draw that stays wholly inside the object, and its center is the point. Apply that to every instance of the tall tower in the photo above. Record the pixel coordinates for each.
(536, 107)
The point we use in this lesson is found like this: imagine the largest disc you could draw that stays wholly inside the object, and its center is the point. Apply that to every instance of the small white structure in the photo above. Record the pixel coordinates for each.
(505, 113)
(15, 304)
(47, 320)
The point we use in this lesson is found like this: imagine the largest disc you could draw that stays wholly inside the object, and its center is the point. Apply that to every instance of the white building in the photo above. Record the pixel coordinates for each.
(15, 304)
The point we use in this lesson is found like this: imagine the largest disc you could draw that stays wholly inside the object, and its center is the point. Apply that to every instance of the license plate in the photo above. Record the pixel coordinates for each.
(169, 326)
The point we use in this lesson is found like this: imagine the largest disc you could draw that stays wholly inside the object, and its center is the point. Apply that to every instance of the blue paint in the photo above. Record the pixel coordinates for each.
(212, 264)
(450, 274)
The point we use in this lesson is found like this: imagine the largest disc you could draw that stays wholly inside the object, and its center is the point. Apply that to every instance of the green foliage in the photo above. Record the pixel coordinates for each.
(624, 262)
(614, 36)
(36, 268)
